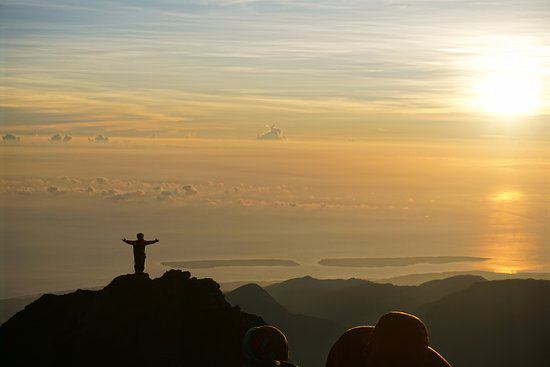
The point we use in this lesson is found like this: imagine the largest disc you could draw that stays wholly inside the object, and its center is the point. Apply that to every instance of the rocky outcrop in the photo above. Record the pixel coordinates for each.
(174, 320)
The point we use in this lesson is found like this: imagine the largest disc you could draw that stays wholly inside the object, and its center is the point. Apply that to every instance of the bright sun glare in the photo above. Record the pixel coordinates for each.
(511, 86)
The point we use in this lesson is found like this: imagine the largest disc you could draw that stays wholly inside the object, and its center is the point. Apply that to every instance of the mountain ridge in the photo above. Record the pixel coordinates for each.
(493, 323)
(309, 337)
(172, 320)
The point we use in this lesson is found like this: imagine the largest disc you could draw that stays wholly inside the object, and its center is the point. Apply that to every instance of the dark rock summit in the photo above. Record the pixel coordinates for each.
(174, 320)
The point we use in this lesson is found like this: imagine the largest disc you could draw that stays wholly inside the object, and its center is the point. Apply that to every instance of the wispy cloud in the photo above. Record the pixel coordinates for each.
(218, 65)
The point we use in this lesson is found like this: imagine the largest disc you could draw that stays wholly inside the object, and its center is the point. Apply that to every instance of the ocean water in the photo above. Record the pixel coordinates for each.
(66, 208)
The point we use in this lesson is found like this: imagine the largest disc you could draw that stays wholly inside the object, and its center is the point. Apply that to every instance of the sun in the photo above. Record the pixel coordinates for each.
(510, 86)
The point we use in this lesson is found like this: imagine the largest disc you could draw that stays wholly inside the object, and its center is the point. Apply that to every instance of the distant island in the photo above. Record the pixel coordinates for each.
(206, 264)
(379, 262)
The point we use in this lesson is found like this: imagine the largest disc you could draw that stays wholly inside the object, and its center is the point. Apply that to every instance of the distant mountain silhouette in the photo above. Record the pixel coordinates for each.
(436, 289)
(10, 306)
(174, 320)
(310, 338)
(497, 323)
(473, 322)
(417, 279)
(358, 302)
(177, 320)
(254, 299)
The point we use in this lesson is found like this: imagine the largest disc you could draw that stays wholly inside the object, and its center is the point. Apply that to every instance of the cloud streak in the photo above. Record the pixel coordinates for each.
(274, 133)
(207, 194)
(306, 62)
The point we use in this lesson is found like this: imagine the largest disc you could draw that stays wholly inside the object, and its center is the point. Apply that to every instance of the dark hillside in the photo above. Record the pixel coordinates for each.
(174, 320)
(310, 338)
(497, 323)
(439, 288)
(353, 302)
(346, 302)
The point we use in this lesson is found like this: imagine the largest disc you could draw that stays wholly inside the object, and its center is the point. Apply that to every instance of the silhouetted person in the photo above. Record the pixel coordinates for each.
(350, 350)
(398, 340)
(265, 346)
(139, 251)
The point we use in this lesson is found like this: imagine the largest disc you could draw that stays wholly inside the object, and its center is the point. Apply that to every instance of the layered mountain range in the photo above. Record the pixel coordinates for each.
(178, 320)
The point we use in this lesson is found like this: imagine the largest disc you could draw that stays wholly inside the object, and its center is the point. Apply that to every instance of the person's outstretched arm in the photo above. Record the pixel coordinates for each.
(151, 242)
(128, 241)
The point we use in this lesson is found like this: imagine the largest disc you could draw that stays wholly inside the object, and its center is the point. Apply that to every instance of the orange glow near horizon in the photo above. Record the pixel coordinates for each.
(506, 196)
(506, 241)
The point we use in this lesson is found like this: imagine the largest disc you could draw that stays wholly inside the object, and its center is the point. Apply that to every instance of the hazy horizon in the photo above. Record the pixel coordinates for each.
(66, 207)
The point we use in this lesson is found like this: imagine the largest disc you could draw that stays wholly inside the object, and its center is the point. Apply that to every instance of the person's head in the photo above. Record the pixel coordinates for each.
(139, 236)
(350, 349)
(398, 339)
(265, 343)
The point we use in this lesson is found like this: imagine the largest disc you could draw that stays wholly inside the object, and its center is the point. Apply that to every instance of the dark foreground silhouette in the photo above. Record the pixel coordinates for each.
(174, 320)
(310, 337)
(266, 346)
(472, 322)
(139, 251)
(177, 320)
(398, 340)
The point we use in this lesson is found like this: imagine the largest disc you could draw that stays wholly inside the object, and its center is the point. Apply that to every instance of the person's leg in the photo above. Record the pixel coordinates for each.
(139, 265)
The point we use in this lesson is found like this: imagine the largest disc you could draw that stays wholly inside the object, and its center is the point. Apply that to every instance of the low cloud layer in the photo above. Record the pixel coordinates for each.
(190, 190)
(60, 138)
(102, 187)
(99, 139)
(54, 190)
(206, 194)
(274, 133)
(10, 138)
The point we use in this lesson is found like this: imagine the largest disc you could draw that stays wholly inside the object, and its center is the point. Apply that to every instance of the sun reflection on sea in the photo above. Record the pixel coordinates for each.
(506, 195)
(506, 269)
(506, 241)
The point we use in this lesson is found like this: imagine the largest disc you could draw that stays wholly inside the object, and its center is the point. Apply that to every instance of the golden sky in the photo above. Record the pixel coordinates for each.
(413, 128)
(319, 69)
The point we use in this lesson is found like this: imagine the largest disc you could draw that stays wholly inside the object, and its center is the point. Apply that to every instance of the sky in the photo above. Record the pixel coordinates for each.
(299, 130)
(319, 69)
